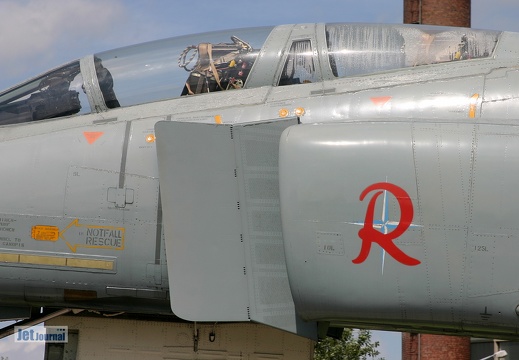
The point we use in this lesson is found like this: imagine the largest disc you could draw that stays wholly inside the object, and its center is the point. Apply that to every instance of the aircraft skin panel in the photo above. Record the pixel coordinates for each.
(416, 230)
(425, 96)
(507, 45)
(325, 211)
(501, 94)
(199, 236)
(494, 203)
(78, 218)
(41, 157)
(448, 184)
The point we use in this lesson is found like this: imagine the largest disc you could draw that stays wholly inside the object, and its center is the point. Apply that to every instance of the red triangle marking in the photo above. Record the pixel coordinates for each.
(381, 100)
(92, 136)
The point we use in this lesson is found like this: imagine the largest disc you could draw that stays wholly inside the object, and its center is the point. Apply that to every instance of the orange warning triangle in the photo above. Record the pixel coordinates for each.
(92, 136)
(380, 100)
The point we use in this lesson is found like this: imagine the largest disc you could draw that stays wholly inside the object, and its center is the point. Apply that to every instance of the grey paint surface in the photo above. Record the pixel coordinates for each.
(142, 178)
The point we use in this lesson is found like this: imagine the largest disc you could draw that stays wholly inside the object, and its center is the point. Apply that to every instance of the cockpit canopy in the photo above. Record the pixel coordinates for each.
(356, 49)
(221, 61)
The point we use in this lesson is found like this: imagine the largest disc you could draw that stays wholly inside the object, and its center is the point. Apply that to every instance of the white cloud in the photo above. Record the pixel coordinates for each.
(38, 29)
(19, 350)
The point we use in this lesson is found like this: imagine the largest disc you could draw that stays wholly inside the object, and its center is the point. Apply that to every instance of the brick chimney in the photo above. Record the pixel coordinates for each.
(437, 12)
(434, 347)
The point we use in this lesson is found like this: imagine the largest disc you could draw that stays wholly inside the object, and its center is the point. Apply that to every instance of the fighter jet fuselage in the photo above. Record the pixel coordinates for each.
(343, 174)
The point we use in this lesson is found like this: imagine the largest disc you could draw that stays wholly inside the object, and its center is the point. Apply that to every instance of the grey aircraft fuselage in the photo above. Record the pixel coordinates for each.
(338, 174)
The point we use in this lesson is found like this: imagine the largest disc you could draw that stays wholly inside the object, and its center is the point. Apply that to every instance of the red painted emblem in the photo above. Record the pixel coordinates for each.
(369, 234)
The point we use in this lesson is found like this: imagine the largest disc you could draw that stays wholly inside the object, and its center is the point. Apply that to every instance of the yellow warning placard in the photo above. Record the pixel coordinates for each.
(45, 232)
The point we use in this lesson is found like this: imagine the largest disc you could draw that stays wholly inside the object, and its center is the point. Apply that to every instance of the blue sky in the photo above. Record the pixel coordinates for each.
(38, 35)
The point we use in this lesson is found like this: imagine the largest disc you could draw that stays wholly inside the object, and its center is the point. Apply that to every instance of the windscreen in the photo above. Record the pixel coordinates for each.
(56, 93)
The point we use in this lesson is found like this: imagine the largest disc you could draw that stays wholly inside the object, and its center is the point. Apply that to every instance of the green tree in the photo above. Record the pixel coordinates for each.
(353, 345)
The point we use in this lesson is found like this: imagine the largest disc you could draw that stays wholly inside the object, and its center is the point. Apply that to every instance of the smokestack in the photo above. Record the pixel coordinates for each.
(437, 12)
(434, 347)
